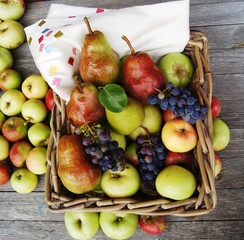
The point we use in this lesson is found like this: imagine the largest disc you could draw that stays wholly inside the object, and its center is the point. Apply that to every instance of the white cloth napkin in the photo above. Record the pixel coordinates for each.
(55, 42)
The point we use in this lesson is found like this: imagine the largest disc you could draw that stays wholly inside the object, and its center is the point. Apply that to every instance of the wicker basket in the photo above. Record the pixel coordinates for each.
(203, 201)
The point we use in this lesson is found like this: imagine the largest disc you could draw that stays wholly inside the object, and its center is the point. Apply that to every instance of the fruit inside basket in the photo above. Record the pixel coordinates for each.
(150, 163)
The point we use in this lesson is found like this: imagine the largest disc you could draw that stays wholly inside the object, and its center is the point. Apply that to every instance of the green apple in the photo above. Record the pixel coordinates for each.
(18, 152)
(36, 160)
(121, 139)
(4, 148)
(10, 78)
(177, 68)
(82, 225)
(152, 122)
(175, 182)
(129, 119)
(14, 129)
(23, 180)
(34, 110)
(39, 134)
(118, 225)
(179, 135)
(35, 86)
(2, 119)
(6, 59)
(221, 134)
(11, 102)
(11, 9)
(131, 154)
(121, 184)
(12, 34)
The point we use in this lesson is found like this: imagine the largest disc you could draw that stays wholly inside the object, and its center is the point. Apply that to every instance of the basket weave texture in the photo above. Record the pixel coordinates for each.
(202, 202)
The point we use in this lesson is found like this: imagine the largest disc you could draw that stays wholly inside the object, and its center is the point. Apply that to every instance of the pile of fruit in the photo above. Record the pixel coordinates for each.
(133, 127)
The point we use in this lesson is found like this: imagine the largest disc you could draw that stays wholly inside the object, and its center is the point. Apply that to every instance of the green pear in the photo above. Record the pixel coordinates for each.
(119, 138)
(221, 134)
(129, 119)
(152, 122)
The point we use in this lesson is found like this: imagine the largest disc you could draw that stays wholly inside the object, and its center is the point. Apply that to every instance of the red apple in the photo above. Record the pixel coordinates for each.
(168, 115)
(14, 129)
(152, 224)
(18, 152)
(5, 173)
(215, 107)
(84, 105)
(172, 158)
(218, 165)
(131, 155)
(179, 136)
(49, 99)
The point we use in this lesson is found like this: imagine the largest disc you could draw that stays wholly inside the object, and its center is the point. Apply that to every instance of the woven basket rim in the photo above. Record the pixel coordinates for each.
(201, 203)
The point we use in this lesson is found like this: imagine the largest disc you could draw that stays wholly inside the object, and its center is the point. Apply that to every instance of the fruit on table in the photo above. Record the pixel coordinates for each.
(5, 172)
(34, 86)
(6, 59)
(179, 136)
(120, 183)
(18, 152)
(10, 78)
(36, 160)
(177, 68)
(175, 158)
(11, 102)
(38, 134)
(14, 129)
(215, 107)
(12, 34)
(141, 76)
(118, 225)
(2, 119)
(218, 165)
(99, 63)
(152, 122)
(84, 106)
(82, 225)
(23, 180)
(129, 119)
(12, 9)
(34, 110)
(152, 224)
(75, 170)
(49, 99)
(4, 148)
(175, 182)
(221, 134)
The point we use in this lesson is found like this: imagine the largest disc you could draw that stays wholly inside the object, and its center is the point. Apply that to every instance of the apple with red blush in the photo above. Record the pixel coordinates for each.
(19, 152)
(152, 224)
(49, 99)
(168, 115)
(5, 172)
(172, 158)
(215, 107)
(218, 165)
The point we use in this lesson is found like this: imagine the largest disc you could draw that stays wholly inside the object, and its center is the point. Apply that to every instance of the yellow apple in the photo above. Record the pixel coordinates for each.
(179, 135)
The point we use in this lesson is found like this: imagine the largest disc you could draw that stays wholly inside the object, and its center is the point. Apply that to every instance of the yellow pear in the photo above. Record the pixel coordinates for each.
(129, 119)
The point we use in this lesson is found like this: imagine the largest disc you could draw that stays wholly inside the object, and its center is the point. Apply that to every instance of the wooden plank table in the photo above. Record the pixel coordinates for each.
(26, 216)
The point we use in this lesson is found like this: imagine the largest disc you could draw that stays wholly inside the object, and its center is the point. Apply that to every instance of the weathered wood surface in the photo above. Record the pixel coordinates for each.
(26, 216)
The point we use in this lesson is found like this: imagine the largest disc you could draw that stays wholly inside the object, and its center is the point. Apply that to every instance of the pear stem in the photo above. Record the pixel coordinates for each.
(132, 50)
(88, 25)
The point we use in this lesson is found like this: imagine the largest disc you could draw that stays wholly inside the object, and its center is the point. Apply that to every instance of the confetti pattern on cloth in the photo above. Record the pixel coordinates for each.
(56, 41)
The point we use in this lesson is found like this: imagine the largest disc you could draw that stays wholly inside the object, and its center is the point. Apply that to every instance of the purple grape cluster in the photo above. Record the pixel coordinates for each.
(103, 150)
(150, 155)
(180, 101)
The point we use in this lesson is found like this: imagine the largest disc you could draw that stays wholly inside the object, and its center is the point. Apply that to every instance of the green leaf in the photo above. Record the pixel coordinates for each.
(113, 97)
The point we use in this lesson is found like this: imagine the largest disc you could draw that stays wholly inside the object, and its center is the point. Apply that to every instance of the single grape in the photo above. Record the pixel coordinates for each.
(152, 99)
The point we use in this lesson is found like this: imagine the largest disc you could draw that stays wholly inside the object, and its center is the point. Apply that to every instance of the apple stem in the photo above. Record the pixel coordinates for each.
(88, 25)
(132, 50)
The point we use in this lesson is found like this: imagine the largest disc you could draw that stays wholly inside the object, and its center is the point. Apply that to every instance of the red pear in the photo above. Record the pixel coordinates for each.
(142, 77)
